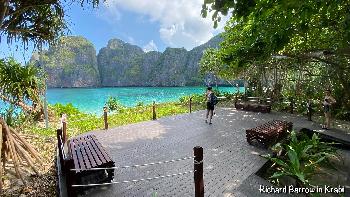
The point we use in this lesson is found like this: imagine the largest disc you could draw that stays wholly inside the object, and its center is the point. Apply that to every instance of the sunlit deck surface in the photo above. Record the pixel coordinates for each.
(229, 161)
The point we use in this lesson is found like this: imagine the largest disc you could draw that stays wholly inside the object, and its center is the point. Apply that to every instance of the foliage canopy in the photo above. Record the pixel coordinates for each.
(20, 85)
(301, 44)
(37, 21)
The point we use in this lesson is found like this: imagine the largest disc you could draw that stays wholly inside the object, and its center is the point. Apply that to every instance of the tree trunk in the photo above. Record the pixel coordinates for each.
(3, 10)
(24, 106)
(1, 133)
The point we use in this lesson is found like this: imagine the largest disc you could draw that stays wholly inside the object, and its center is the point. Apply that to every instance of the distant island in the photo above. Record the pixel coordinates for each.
(73, 63)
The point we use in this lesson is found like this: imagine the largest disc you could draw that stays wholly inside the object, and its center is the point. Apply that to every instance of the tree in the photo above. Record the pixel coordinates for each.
(310, 37)
(37, 21)
(21, 85)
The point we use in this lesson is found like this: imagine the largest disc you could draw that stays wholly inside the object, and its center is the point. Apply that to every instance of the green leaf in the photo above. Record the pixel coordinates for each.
(293, 157)
(277, 175)
(301, 177)
(279, 162)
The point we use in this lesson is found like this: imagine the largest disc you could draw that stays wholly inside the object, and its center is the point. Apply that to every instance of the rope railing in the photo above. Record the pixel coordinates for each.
(76, 182)
(198, 161)
(140, 165)
(84, 119)
(135, 180)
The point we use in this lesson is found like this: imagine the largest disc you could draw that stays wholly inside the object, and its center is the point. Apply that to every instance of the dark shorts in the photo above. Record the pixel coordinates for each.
(326, 108)
(210, 106)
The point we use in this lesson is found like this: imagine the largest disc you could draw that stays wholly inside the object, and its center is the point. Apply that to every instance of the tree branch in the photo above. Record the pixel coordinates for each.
(3, 10)
(18, 103)
(18, 31)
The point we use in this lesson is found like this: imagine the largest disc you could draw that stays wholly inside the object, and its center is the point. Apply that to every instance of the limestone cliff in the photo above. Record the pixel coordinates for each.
(73, 63)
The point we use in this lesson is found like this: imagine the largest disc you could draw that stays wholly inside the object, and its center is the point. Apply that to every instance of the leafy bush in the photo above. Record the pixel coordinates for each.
(79, 122)
(113, 104)
(12, 117)
(300, 157)
(140, 104)
(196, 98)
(343, 115)
(68, 109)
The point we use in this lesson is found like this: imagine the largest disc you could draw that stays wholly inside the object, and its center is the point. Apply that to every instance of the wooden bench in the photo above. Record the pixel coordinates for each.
(84, 153)
(269, 133)
(254, 104)
(87, 153)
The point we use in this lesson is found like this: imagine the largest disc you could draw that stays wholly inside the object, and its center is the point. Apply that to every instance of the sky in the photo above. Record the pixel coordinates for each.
(151, 24)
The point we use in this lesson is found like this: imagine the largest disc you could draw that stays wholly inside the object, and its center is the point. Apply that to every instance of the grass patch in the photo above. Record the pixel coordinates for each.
(79, 122)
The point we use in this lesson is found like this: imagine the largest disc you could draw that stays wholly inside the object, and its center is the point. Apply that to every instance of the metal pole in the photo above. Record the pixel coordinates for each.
(45, 99)
(198, 171)
(45, 108)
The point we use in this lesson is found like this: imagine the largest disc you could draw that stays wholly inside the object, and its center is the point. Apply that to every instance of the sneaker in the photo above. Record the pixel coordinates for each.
(210, 123)
(206, 121)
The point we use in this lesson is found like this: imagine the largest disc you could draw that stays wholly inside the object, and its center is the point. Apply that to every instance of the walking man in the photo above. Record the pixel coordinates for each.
(211, 102)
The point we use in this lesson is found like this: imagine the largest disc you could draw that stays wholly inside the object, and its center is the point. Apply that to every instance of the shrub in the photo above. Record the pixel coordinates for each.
(140, 104)
(113, 104)
(300, 157)
(13, 117)
(68, 109)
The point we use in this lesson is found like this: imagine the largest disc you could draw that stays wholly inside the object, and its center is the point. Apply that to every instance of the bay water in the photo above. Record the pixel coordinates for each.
(92, 100)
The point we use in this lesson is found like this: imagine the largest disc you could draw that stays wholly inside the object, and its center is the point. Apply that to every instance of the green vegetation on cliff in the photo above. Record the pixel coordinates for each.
(70, 63)
(73, 63)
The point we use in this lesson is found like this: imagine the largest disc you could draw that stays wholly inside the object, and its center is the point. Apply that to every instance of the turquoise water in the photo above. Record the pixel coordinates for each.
(92, 100)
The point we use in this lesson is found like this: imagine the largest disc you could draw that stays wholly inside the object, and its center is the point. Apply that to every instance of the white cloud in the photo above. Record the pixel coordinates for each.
(151, 46)
(131, 40)
(109, 14)
(181, 24)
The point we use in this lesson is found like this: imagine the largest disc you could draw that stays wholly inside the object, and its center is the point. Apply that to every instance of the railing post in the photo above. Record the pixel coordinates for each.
(190, 104)
(105, 116)
(64, 127)
(154, 116)
(59, 145)
(198, 171)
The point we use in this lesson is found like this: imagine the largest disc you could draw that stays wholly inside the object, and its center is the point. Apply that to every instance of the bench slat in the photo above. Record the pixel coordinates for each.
(96, 158)
(79, 155)
(84, 154)
(74, 155)
(99, 158)
(104, 153)
(89, 153)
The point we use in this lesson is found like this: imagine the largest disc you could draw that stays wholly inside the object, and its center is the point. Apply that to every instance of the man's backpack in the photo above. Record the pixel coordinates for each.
(213, 99)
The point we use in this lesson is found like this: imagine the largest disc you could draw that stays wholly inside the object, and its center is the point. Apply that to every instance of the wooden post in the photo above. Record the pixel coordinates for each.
(198, 171)
(105, 116)
(64, 129)
(154, 116)
(190, 104)
(59, 146)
